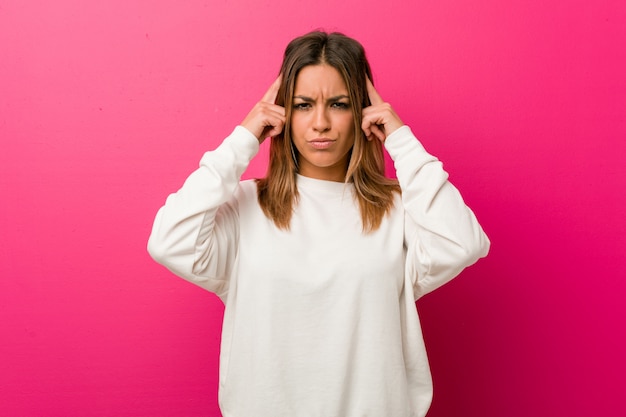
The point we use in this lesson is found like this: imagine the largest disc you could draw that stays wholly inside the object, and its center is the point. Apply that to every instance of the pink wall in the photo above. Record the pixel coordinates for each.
(106, 106)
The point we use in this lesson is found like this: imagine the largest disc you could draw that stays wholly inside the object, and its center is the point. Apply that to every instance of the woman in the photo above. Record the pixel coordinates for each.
(319, 263)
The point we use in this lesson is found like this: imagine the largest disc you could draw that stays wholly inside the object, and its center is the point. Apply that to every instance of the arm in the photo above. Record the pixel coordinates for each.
(195, 233)
(441, 232)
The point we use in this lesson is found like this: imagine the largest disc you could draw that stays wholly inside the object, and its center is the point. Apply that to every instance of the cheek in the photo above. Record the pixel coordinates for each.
(297, 125)
(347, 124)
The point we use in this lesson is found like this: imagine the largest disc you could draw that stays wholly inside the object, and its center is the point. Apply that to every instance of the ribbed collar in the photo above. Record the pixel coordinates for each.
(316, 185)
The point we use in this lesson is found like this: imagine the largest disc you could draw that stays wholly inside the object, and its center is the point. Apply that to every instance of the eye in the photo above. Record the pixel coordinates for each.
(340, 105)
(302, 106)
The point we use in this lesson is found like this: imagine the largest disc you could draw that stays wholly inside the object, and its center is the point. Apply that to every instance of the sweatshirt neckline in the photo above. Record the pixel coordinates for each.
(322, 185)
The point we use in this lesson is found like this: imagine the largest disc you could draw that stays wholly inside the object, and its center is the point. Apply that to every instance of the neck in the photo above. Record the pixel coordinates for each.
(335, 173)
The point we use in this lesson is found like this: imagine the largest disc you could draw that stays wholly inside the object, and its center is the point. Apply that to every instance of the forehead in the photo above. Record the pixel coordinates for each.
(320, 78)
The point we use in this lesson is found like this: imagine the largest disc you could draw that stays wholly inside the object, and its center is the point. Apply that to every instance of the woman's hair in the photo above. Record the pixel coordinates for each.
(277, 192)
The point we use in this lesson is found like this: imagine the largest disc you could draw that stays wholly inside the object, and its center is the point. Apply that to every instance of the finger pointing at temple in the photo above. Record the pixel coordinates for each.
(375, 98)
(379, 119)
(266, 118)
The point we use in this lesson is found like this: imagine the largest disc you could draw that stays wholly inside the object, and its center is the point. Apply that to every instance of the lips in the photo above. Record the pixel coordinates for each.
(321, 143)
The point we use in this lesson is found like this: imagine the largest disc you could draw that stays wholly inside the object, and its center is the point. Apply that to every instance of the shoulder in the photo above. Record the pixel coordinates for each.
(244, 198)
(247, 195)
(247, 189)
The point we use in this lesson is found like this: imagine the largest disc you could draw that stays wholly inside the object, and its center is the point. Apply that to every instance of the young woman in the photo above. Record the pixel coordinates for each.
(319, 263)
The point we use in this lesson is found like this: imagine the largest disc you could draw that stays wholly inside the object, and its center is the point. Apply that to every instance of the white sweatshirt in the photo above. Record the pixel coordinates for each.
(320, 320)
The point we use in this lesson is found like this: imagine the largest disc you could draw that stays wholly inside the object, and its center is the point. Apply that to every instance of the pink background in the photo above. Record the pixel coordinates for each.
(106, 106)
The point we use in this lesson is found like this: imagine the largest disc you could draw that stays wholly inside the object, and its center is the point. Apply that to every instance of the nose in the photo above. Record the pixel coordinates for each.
(321, 121)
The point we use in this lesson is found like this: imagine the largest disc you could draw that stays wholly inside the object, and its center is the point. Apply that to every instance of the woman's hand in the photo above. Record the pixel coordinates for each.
(379, 119)
(266, 118)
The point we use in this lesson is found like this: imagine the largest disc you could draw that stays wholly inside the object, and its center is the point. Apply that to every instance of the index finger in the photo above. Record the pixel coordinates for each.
(375, 98)
(270, 95)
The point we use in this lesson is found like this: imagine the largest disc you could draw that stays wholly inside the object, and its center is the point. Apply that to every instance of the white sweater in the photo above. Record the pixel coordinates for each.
(319, 321)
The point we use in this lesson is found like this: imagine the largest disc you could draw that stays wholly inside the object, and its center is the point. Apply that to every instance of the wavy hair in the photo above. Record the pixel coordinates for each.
(277, 191)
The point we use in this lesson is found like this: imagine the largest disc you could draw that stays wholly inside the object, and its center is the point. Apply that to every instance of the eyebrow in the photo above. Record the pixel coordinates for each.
(331, 99)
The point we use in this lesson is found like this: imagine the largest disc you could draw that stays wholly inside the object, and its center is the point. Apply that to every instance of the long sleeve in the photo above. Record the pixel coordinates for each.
(195, 233)
(441, 233)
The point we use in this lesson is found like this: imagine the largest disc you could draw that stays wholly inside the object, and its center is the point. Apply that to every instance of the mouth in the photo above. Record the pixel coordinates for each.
(321, 143)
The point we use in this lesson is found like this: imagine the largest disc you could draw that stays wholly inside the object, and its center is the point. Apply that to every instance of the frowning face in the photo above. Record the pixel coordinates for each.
(322, 123)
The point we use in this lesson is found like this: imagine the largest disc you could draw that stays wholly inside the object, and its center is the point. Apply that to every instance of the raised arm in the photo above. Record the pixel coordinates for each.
(195, 234)
(442, 234)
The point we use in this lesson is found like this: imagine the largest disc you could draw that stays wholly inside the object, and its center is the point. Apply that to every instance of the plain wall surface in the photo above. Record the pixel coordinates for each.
(106, 107)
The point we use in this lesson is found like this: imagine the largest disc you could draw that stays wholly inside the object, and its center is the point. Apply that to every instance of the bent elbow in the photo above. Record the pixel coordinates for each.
(478, 248)
(154, 250)
(157, 250)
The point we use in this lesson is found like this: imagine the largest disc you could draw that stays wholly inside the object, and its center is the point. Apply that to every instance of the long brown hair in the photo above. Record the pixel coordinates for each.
(278, 192)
